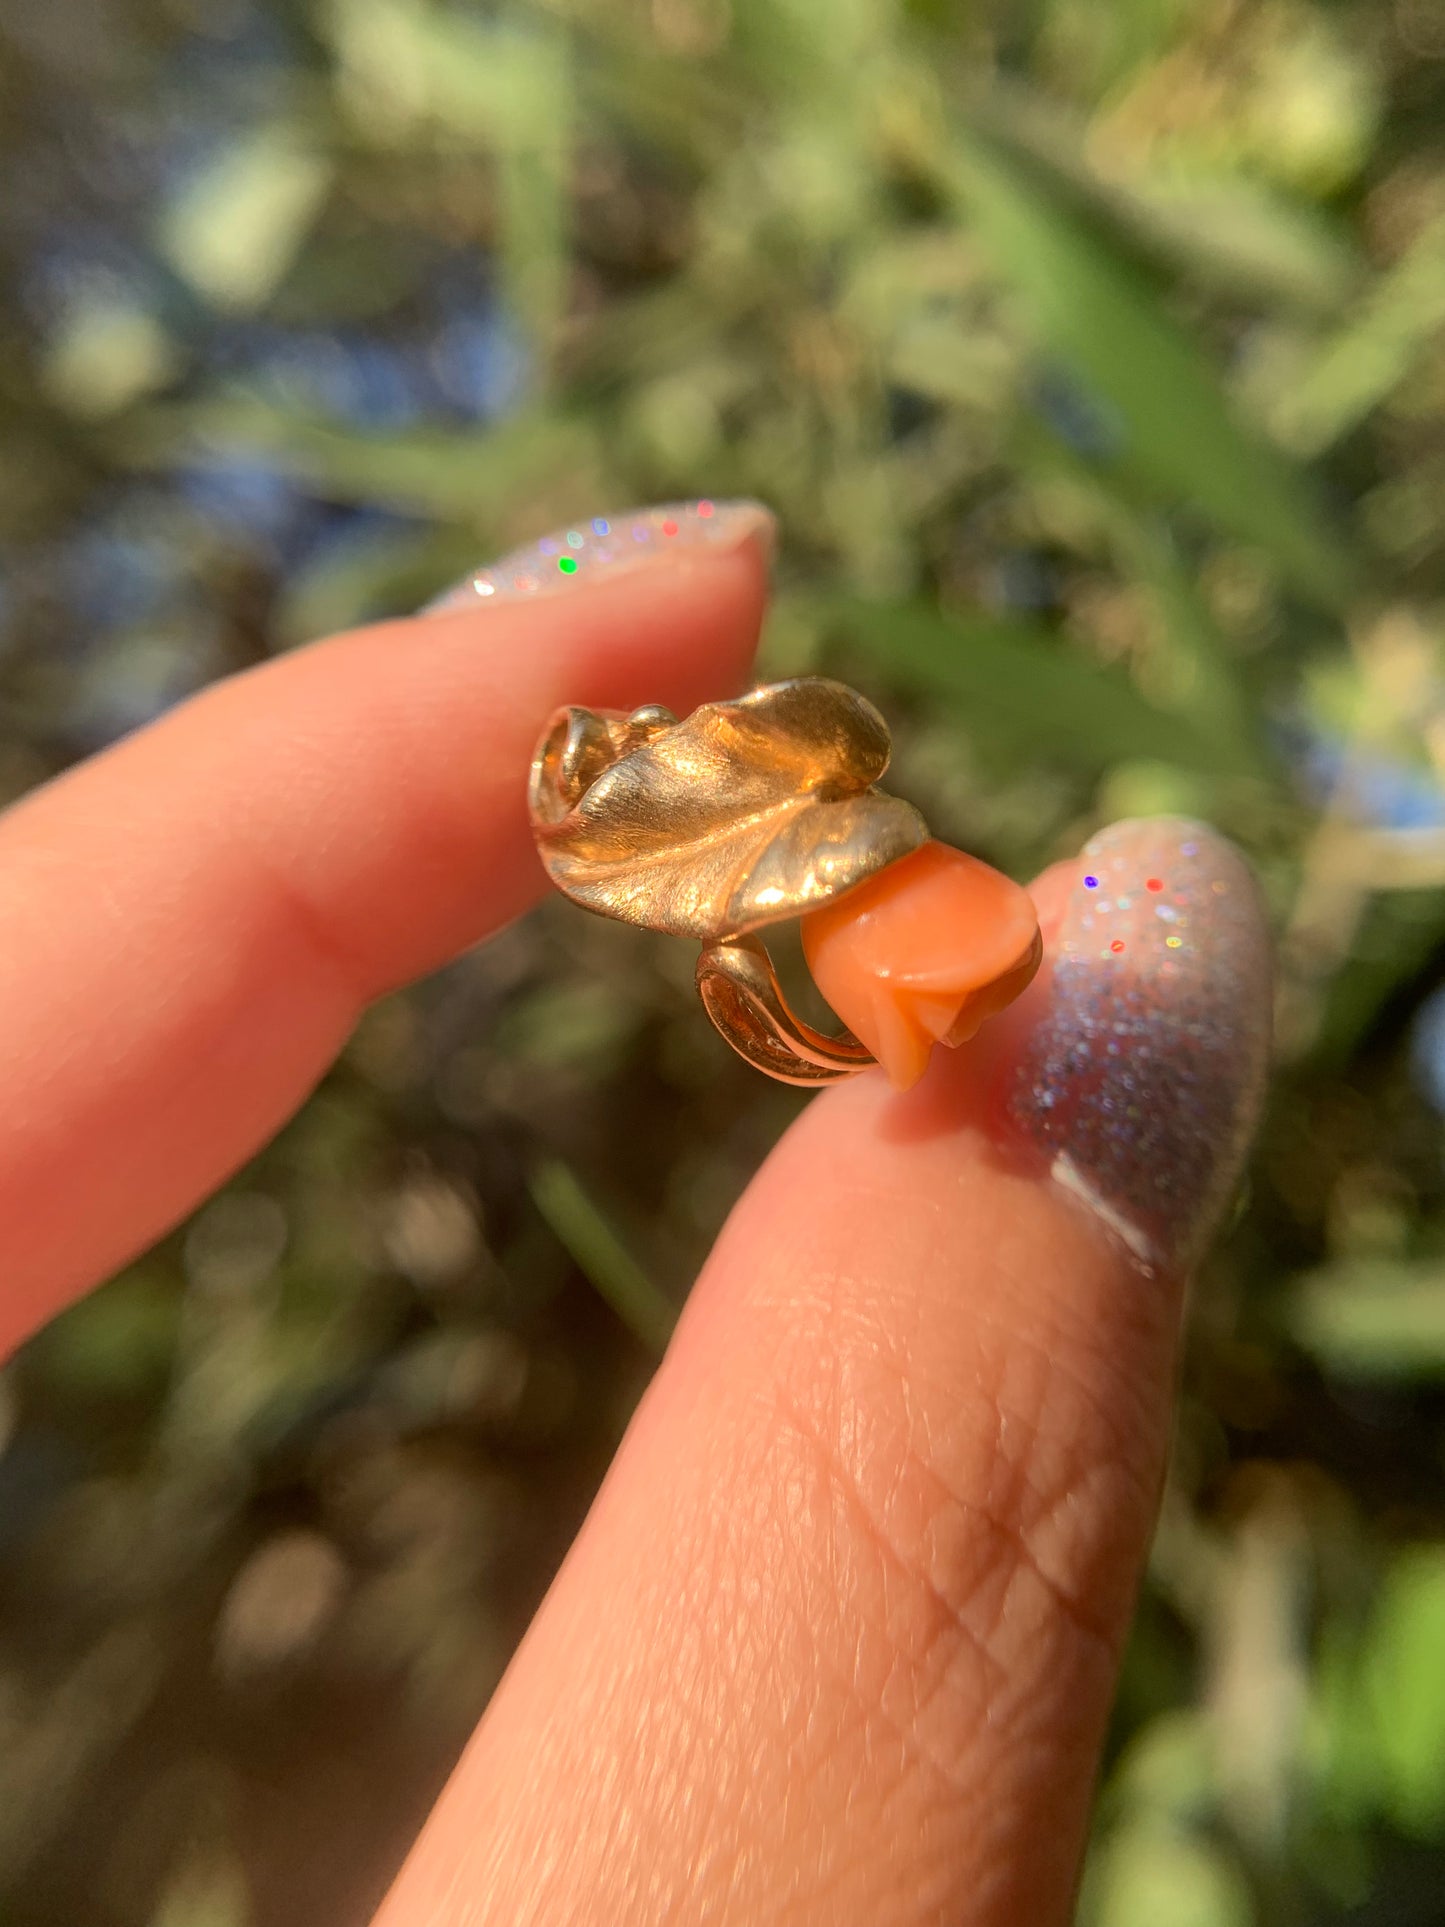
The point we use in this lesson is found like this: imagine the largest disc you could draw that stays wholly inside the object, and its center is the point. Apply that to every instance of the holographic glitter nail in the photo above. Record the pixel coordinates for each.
(1142, 1076)
(604, 545)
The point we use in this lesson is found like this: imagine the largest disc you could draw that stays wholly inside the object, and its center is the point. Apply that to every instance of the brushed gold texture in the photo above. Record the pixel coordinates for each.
(748, 813)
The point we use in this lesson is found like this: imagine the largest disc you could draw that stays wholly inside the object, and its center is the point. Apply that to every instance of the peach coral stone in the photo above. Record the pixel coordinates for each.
(922, 953)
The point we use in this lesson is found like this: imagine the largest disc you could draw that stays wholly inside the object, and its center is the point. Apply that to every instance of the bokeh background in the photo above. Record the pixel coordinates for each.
(1092, 357)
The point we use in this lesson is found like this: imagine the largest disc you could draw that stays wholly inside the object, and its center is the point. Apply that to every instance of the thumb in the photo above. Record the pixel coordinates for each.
(839, 1638)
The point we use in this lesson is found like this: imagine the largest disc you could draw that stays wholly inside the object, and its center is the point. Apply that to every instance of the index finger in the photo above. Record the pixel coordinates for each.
(194, 920)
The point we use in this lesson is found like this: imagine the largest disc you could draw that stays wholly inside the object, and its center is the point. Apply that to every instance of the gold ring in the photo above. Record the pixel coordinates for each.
(748, 813)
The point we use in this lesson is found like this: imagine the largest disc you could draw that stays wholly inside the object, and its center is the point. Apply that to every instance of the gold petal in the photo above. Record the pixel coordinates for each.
(748, 812)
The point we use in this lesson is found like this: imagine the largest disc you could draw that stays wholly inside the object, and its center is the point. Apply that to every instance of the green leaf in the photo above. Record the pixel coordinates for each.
(348, 582)
(586, 1027)
(1152, 1872)
(1209, 219)
(1245, 239)
(108, 352)
(1167, 1771)
(1016, 682)
(236, 226)
(1101, 315)
(1404, 1678)
(1373, 1319)
(118, 1343)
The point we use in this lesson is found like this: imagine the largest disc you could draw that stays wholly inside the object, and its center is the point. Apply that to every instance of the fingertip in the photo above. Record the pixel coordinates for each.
(1135, 1064)
(581, 556)
(1128, 1077)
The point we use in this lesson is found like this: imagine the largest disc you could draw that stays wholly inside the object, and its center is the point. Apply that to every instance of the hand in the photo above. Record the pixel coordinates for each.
(838, 1640)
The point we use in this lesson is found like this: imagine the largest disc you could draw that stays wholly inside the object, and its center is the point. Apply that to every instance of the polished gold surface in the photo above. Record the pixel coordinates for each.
(741, 993)
(749, 812)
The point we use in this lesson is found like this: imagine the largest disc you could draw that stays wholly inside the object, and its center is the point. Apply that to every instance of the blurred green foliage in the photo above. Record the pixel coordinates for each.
(1093, 358)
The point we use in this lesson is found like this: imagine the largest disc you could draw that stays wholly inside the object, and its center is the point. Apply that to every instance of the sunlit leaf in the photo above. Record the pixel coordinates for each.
(1014, 682)
(1168, 1769)
(237, 224)
(1103, 318)
(1374, 1319)
(1238, 236)
(1150, 1872)
(1211, 220)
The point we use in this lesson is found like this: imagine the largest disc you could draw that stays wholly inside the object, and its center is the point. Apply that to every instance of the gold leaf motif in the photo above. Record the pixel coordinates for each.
(747, 813)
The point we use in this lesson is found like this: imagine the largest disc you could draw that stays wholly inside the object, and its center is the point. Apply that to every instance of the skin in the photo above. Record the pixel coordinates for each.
(838, 1639)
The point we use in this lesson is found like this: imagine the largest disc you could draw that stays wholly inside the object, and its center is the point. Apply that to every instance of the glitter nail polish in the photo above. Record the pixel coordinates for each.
(604, 545)
(1142, 1073)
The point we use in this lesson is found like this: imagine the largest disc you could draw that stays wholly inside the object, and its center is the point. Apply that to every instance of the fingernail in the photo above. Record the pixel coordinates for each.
(608, 545)
(1142, 1076)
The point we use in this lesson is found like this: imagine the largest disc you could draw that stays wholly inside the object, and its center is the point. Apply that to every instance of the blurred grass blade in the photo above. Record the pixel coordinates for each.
(535, 160)
(1243, 239)
(474, 478)
(597, 1250)
(1100, 314)
(1018, 682)
(1213, 223)
(1364, 363)
(1247, 239)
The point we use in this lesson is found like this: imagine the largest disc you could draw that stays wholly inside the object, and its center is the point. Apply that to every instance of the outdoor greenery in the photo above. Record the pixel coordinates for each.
(1093, 357)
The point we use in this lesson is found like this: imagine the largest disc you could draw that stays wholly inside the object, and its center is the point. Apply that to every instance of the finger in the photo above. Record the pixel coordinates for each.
(193, 921)
(838, 1640)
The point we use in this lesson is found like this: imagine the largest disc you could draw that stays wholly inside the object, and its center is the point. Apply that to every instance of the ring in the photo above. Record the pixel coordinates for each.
(763, 809)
